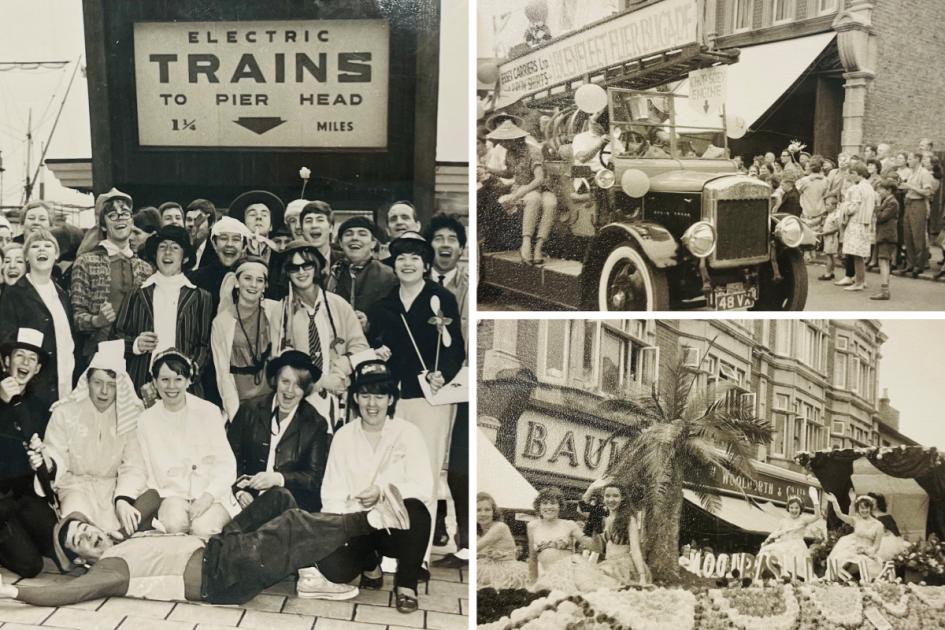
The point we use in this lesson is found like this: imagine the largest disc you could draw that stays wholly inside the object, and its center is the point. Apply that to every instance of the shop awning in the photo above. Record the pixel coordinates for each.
(499, 478)
(739, 513)
(764, 72)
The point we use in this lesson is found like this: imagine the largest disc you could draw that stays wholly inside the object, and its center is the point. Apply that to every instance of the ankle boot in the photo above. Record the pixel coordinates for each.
(525, 251)
(539, 258)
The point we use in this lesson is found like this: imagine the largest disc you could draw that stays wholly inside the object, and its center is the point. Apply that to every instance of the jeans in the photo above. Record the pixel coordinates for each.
(269, 540)
(364, 554)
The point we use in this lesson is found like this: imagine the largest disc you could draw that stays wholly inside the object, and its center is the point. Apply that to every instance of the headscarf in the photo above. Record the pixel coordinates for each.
(111, 356)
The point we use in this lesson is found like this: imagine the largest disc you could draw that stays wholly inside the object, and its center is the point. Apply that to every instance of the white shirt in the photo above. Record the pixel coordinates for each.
(65, 345)
(186, 452)
(166, 296)
(447, 277)
(113, 250)
(354, 465)
(278, 430)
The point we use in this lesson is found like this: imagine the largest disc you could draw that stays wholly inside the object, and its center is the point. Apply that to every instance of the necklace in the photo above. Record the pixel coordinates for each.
(255, 352)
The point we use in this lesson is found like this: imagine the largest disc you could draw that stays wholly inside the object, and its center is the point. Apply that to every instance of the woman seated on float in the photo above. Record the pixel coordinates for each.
(620, 540)
(861, 548)
(496, 564)
(785, 546)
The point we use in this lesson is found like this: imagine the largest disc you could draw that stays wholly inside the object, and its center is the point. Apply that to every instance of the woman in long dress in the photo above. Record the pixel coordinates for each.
(496, 566)
(863, 544)
(785, 545)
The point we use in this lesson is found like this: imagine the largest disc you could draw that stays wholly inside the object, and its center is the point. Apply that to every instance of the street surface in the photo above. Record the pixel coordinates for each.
(908, 294)
(444, 605)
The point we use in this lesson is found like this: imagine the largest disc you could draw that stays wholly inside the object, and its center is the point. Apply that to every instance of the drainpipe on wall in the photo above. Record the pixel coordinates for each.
(856, 42)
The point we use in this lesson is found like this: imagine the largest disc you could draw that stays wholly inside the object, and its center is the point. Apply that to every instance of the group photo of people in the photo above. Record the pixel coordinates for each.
(228, 397)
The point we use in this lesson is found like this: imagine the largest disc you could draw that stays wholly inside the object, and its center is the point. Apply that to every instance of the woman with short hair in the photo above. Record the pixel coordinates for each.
(35, 301)
(187, 458)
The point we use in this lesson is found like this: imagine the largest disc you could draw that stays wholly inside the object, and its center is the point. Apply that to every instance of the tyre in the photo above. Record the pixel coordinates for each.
(629, 282)
(790, 294)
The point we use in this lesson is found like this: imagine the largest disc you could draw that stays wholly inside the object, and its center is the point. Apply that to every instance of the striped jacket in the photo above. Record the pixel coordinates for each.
(194, 316)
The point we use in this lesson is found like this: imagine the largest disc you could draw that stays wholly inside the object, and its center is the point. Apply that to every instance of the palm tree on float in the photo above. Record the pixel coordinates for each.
(677, 437)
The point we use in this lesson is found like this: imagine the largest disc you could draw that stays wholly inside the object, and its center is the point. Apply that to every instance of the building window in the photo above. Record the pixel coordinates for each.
(782, 339)
(777, 440)
(625, 359)
(842, 343)
(840, 370)
(837, 427)
(783, 11)
(743, 14)
(853, 376)
(553, 350)
(810, 345)
(826, 6)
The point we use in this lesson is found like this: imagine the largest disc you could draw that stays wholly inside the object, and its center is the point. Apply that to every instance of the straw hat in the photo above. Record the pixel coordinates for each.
(508, 130)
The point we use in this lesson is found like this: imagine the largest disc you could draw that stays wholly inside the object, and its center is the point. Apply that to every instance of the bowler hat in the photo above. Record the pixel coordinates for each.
(173, 233)
(239, 205)
(294, 359)
(410, 242)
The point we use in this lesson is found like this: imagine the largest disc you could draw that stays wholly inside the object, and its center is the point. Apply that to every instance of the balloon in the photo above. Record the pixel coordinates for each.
(487, 72)
(536, 11)
(736, 127)
(590, 98)
(635, 183)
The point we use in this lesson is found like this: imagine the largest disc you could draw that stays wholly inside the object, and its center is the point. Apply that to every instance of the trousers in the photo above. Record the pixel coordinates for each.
(915, 234)
(269, 540)
(407, 546)
(26, 534)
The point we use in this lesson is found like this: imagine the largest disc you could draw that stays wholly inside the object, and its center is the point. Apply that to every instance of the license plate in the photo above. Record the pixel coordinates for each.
(732, 297)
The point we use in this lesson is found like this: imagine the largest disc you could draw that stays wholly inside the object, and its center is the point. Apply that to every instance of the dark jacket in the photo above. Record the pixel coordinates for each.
(370, 284)
(887, 219)
(301, 454)
(194, 316)
(19, 420)
(387, 329)
(791, 203)
(21, 307)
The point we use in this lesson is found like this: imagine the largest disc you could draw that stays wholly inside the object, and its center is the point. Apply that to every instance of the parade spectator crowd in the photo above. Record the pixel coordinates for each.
(196, 403)
(869, 211)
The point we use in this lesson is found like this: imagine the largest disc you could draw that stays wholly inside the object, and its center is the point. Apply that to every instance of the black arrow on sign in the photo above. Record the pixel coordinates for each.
(260, 124)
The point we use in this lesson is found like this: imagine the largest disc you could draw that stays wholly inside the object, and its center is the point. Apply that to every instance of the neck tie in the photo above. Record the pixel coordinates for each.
(440, 277)
(314, 341)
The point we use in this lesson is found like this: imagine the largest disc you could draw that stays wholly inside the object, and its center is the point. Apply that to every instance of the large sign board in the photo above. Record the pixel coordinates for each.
(277, 84)
(566, 448)
(655, 28)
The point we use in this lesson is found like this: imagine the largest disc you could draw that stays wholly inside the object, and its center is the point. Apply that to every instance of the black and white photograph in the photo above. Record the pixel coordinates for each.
(683, 473)
(656, 155)
(233, 314)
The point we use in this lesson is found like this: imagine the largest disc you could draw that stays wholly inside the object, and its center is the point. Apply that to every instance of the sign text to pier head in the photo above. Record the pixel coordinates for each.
(315, 83)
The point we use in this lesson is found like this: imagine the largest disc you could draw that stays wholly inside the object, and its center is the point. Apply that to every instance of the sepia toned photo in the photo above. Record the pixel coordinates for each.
(708, 474)
(767, 155)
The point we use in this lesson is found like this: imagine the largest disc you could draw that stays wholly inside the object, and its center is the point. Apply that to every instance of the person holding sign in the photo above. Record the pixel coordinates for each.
(417, 327)
(785, 546)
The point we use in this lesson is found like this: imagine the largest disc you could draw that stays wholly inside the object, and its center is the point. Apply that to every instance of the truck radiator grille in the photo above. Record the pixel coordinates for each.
(742, 228)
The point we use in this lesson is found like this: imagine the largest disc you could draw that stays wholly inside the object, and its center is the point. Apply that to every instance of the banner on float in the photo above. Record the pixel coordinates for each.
(655, 28)
(276, 84)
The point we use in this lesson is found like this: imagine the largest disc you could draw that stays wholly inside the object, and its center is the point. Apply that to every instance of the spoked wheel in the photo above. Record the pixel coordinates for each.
(790, 294)
(629, 282)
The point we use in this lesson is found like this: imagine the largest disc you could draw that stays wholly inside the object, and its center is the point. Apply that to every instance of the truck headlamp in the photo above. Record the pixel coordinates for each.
(605, 179)
(790, 231)
(700, 239)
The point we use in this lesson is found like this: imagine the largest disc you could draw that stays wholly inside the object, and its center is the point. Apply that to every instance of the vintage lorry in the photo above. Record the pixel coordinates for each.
(660, 218)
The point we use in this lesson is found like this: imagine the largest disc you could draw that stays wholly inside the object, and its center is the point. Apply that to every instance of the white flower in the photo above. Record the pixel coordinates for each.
(304, 172)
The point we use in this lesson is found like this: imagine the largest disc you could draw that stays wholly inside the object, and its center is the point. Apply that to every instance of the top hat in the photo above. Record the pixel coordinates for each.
(28, 339)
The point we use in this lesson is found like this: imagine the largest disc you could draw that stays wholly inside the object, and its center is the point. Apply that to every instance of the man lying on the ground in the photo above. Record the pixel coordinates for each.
(269, 540)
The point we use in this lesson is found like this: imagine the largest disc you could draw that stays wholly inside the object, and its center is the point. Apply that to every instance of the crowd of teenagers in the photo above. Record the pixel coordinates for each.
(197, 404)
(870, 211)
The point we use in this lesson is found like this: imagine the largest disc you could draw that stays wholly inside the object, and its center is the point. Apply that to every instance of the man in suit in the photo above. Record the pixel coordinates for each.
(447, 235)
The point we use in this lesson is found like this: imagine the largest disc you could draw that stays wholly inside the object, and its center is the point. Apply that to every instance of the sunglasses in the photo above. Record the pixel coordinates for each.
(293, 268)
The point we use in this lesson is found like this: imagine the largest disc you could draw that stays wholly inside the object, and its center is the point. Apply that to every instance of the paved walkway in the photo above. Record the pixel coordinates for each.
(444, 605)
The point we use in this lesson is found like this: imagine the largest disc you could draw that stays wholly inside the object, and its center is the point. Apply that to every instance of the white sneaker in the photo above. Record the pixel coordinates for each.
(313, 585)
(845, 282)
(390, 511)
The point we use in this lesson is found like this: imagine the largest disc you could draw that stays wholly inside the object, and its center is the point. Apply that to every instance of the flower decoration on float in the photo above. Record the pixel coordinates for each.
(837, 603)
(749, 609)
(892, 597)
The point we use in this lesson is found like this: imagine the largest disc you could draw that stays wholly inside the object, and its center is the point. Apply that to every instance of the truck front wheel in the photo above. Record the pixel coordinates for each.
(629, 282)
(790, 294)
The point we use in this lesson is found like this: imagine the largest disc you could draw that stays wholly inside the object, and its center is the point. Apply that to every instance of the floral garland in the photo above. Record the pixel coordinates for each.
(838, 604)
(893, 597)
(783, 621)
(662, 609)
(931, 596)
(525, 614)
